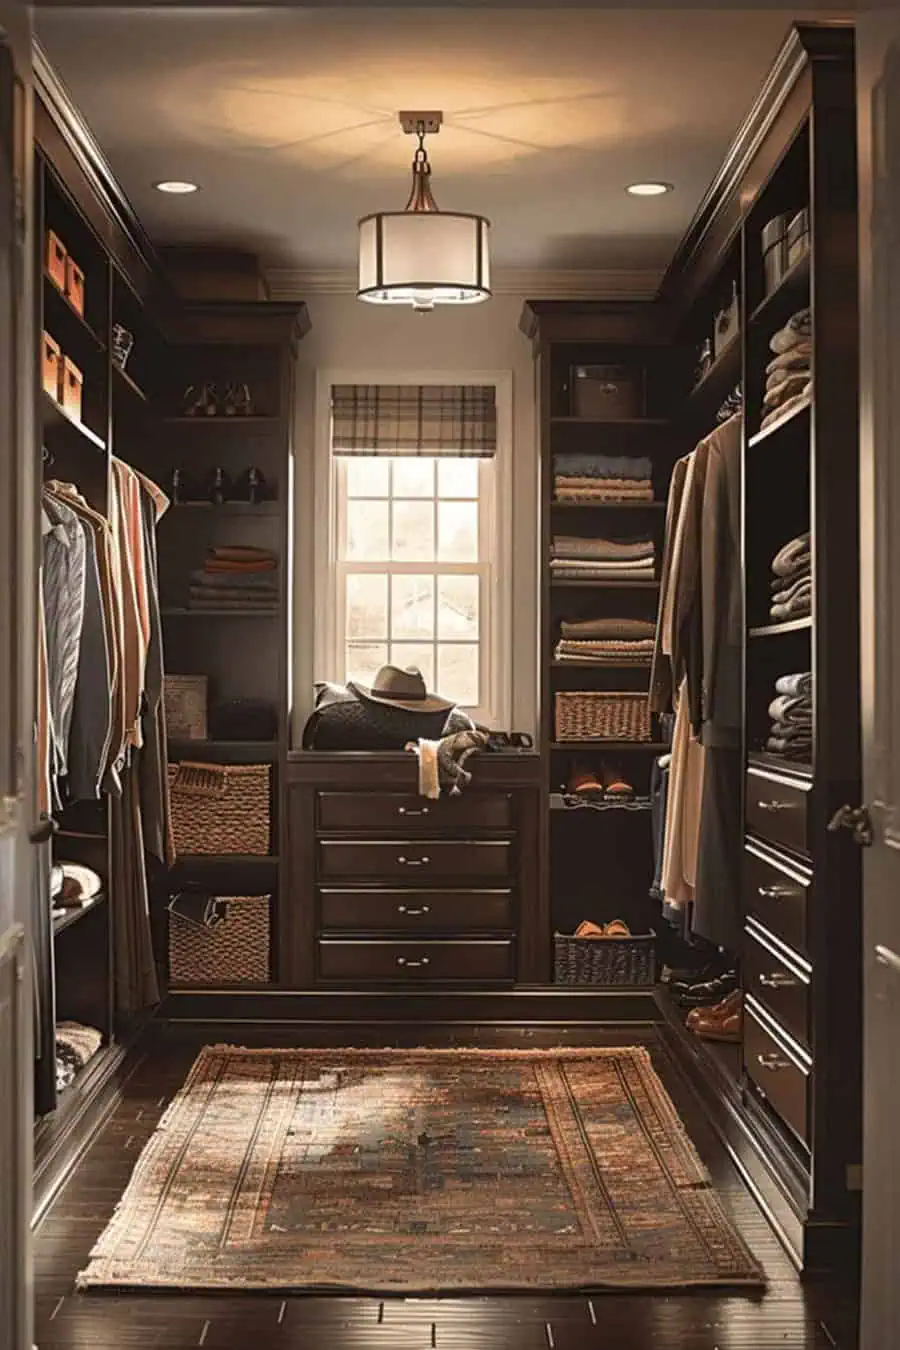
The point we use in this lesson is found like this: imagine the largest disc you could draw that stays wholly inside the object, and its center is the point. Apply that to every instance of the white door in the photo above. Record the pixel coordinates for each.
(18, 589)
(878, 52)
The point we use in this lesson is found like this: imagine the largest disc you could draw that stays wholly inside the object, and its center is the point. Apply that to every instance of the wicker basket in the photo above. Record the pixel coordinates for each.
(232, 947)
(185, 698)
(602, 717)
(607, 961)
(220, 808)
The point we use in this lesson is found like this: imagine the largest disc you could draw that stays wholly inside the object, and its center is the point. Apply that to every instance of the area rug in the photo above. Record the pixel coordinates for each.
(398, 1171)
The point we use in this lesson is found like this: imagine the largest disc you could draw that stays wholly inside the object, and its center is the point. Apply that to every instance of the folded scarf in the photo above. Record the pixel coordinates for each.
(789, 588)
(798, 608)
(791, 385)
(781, 412)
(604, 466)
(786, 558)
(797, 329)
(795, 686)
(794, 708)
(608, 628)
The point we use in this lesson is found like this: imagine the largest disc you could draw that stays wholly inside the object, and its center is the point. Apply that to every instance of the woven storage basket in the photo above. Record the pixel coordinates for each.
(602, 717)
(610, 961)
(220, 808)
(185, 698)
(234, 950)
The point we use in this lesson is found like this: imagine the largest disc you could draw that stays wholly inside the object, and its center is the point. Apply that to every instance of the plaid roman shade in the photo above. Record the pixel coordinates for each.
(414, 419)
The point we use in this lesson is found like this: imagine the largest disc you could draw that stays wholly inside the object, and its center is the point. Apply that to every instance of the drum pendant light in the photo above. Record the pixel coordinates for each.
(423, 256)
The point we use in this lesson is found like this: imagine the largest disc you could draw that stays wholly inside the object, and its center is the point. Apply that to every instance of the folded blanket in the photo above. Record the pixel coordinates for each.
(792, 384)
(603, 484)
(797, 329)
(213, 566)
(798, 355)
(789, 588)
(603, 466)
(588, 495)
(608, 628)
(603, 564)
(795, 750)
(594, 574)
(791, 708)
(799, 685)
(793, 552)
(250, 581)
(784, 409)
(569, 546)
(800, 607)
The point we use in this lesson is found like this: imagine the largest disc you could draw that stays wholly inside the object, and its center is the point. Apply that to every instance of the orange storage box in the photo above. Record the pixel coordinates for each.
(55, 260)
(51, 365)
(72, 385)
(75, 285)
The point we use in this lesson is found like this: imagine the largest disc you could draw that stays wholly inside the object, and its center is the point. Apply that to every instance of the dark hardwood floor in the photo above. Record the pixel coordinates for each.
(790, 1315)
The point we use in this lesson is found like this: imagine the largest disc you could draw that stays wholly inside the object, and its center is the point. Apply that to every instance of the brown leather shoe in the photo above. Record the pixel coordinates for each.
(722, 1022)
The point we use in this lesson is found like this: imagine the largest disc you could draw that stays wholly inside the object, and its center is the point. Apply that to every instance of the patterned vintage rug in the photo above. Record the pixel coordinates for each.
(398, 1171)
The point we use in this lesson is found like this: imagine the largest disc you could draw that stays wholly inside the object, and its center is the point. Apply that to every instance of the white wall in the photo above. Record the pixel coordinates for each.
(347, 334)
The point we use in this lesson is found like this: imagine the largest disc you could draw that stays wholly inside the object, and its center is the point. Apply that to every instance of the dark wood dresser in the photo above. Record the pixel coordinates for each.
(393, 890)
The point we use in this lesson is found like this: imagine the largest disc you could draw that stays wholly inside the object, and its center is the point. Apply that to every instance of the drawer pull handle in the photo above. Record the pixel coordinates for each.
(413, 913)
(408, 811)
(405, 961)
(414, 862)
(779, 892)
(773, 1062)
(778, 980)
(775, 806)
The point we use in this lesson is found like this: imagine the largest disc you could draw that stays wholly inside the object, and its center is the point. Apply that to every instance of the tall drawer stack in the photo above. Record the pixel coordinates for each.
(778, 972)
(416, 892)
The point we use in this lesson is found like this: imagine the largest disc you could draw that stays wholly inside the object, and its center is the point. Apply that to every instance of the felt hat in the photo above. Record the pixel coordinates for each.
(396, 688)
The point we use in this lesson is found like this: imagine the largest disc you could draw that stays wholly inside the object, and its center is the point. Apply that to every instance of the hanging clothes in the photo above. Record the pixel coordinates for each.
(62, 585)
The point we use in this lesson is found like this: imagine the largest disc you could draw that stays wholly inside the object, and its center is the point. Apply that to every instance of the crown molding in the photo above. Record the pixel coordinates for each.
(295, 283)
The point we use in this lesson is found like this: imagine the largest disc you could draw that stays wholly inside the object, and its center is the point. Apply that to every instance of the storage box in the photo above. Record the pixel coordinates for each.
(75, 285)
(220, 809)
(72, 386)
(774, 251)
(227, 942)
(607, 393)
(51, 365)
(55, 260)
(604, 960)
(583, 715)
(797, 237)
(185, 701)
(727, 323)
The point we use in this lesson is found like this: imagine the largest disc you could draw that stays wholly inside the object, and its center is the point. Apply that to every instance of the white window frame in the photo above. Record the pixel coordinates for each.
(495, 518)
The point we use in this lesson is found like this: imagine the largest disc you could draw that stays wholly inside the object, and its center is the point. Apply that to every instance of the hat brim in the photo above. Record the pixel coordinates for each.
(430, 704)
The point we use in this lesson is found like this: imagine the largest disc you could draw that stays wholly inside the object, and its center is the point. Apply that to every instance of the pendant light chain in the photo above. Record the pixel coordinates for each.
(420, 198)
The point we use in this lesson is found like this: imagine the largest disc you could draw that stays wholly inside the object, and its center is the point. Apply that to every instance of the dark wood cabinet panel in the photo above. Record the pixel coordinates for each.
(376, 812)
(776, 892)
(776, 809)
(416, 911)
(781, 1078)
(380, 961)
(399, 860)
(778, 981)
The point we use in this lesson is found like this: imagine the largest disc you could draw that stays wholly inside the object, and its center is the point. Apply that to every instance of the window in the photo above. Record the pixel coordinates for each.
(414, 567)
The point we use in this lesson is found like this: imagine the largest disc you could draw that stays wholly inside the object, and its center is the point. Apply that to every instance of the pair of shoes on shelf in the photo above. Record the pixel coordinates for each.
(705, 993)
(606, 784)
(204, 400)
(616, 929)
(722, 1022)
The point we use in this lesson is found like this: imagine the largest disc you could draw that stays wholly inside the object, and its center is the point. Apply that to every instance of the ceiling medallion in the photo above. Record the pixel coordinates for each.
(422, 256)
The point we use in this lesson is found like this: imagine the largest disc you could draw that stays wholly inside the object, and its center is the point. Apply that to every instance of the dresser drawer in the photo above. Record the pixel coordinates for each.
(777, 981)
(776, 809)
(407, 962)
(424, 860)
(782, 1078)
(777, 895)
(416, 911)
(397, 812)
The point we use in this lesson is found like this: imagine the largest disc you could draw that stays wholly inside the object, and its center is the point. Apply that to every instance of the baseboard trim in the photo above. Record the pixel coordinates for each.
(536, 1005)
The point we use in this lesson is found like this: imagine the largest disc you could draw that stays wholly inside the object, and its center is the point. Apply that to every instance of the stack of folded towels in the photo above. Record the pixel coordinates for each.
(792, 583)
(606, 642)
(236, 576)
(602, 559)
(603, 478)
(791, 713)
(789, 373)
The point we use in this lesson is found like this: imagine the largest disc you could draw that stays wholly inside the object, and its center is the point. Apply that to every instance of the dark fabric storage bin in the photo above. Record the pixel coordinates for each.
(604, 961)
(607, 393)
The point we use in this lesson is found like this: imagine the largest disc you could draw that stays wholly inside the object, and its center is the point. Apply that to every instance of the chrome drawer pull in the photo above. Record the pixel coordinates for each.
(414, 862)
(404, 961)
(414, 913)
(775, 806)
(773, 1062)
(778, 980)
(779, 892)
(407, 811)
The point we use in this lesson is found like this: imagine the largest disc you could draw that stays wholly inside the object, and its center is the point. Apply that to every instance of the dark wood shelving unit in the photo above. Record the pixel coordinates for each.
(179, 419)
(606, 506)
(55, 416)
(598, 665)
(241, 509)
(650, 422)
(708, 395)
(62, 922)
(790, 422)
(572, 583)
(62, 314)
(123, 380)
(773, 630)
(791, 293)
(764, 759)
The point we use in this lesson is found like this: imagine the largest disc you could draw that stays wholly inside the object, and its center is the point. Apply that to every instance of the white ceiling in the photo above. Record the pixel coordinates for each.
(287, 119)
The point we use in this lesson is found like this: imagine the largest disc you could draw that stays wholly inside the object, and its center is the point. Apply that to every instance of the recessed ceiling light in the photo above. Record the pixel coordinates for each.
(176, 187)
(648, 189)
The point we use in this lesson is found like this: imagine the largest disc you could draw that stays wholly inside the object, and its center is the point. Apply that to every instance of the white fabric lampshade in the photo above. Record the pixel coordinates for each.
(423, 258)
